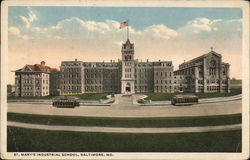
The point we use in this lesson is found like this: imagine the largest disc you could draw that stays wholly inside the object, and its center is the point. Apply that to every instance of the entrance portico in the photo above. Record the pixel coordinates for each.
(127, 86)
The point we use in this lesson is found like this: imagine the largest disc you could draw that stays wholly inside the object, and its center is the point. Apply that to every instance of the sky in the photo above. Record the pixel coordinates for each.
(56, 34)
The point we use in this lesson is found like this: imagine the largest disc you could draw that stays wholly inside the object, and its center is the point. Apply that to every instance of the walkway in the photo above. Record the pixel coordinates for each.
(126, 130)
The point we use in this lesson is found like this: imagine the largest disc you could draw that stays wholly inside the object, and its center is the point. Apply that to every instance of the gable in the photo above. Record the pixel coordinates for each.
(213, 54)
(26, 68)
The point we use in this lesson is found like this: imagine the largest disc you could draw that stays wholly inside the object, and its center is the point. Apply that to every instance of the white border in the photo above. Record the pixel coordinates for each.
(134, 3)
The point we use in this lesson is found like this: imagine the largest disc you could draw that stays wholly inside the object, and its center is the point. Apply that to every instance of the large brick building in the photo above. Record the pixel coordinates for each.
(127, 75)
(206, 73)
(36, 80)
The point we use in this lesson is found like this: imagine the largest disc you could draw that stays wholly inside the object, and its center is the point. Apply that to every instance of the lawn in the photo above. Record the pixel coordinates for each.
(126, 122)
(168, 96)
(84, 96)
(236, 81)
(92, 96)
(31, 140)
(31, 97)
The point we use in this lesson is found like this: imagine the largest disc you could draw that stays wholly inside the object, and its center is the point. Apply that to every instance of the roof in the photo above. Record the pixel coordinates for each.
(128, 43)
(202, 56)
(38, 68)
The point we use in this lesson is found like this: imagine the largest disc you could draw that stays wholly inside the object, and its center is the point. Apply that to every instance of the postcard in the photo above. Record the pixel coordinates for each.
(95, 79)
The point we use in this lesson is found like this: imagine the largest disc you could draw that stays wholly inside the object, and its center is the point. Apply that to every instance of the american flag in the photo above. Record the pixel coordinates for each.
(123, 24)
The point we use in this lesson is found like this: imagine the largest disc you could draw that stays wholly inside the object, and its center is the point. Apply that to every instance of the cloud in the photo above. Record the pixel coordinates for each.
(199, 28)
(201, 24)
(14, 31)
(58, 37)
(90, 26)
(84, 31)
(235, 20)
(31, 16)
(216, 21)
(76, 27)
(25, 37)
(160, 31)
(118, 43)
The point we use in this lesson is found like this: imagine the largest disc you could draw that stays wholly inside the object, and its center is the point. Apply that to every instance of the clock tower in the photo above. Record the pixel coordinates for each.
(128, 68)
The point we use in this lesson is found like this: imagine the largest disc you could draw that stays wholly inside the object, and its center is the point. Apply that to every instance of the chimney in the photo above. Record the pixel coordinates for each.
(111, 61)
(75, 59)
(147, 60)
(42, 63)
(159, 60)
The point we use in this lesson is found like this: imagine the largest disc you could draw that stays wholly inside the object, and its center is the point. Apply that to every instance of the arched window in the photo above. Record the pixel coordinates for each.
(212, 69)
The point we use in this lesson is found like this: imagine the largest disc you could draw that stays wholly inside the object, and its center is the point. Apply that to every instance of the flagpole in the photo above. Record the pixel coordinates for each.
(127, 33)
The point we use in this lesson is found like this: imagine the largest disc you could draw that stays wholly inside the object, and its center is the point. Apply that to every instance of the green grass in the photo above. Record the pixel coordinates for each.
(84, 96)
(236, 81)
(126, 122)
(31, 97)
(92, 96)
(32, 140)
(168, 96)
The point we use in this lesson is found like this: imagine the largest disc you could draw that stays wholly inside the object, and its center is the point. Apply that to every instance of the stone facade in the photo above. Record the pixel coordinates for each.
(206, 73)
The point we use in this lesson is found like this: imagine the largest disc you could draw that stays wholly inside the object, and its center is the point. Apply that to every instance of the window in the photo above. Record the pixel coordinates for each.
(224, 71)
(212, 69)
